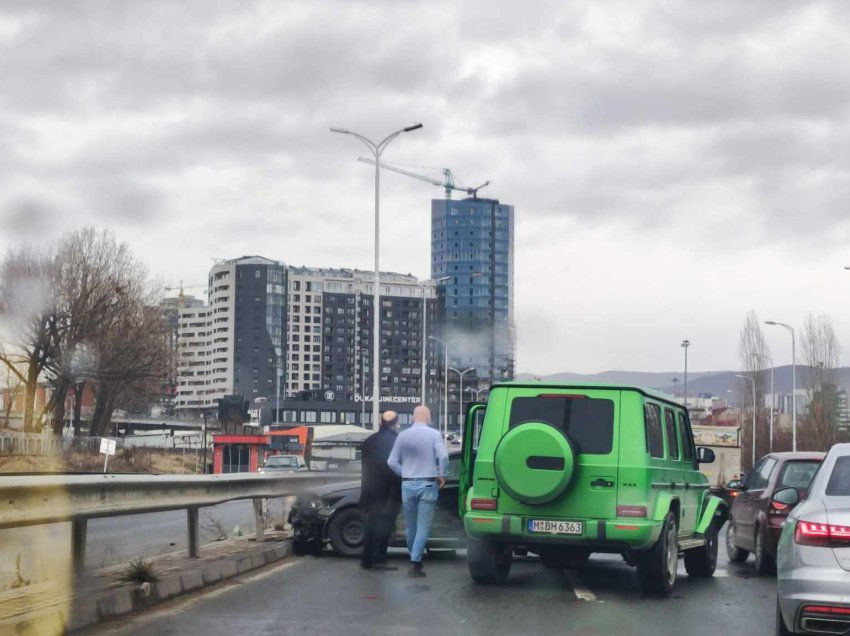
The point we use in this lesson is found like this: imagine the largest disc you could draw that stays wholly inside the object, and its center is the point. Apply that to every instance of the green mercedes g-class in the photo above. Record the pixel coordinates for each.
(565, 470)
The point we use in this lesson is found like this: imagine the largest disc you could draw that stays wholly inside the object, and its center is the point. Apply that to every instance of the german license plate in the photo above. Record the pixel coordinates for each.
(549, 526)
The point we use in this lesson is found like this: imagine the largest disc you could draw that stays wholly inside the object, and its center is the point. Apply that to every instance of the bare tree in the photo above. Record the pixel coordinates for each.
(822, 353)
(12, 387)
(27, 319)
(753, 352)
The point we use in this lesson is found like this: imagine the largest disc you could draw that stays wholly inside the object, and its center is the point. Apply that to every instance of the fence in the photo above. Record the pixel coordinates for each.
(14, 443)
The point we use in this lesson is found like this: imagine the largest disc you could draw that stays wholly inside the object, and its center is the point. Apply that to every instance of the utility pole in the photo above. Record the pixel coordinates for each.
(205, 442)
(685, 345)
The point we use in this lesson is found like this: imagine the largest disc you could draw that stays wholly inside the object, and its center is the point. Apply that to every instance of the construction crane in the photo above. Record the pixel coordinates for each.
(181, 286)
(448, 181)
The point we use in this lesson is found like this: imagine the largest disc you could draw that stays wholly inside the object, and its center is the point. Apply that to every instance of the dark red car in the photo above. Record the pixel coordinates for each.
(755, 520)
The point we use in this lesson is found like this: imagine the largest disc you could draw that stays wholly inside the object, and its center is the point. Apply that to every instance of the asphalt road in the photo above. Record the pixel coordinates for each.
(117, 539)
(331, 595)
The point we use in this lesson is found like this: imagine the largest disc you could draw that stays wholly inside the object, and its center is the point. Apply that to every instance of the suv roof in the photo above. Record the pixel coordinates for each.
(536, 384)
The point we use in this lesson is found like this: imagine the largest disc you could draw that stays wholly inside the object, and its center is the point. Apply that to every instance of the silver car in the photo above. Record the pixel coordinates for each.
(813, 556)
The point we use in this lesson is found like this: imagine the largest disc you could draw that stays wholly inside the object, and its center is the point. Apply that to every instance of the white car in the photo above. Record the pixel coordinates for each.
(813, 556)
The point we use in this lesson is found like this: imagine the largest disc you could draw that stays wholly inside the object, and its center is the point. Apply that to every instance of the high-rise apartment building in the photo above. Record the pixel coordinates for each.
(284, 335)
(472, 247)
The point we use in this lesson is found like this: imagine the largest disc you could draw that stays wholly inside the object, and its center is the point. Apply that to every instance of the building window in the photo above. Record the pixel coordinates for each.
(327, 417)
(308, 416)
(256, 273)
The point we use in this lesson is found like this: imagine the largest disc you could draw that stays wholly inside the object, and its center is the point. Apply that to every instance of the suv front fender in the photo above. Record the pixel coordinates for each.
(713, 508)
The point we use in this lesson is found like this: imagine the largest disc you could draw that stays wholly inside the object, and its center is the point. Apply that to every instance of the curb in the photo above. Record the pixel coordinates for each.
(96, 608)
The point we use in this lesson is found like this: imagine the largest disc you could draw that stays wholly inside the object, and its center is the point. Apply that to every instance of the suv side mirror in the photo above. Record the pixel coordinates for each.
(704, 455)
(787, 496)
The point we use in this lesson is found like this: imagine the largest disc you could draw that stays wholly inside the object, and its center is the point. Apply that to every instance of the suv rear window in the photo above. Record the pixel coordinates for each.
(589, 422)
(797, 474)
(839, 480)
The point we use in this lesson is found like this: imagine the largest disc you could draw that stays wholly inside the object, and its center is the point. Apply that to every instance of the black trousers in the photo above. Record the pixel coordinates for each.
(379, 526)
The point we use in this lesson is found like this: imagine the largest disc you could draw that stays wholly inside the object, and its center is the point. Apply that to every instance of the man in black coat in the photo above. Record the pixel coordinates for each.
(380, 493)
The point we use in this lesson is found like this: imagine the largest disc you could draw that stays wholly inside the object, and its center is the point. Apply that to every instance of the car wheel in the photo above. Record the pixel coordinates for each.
(781, 630)
(657, 567)
(735, 554)
(765, 564)
(488, 561)
(703, 561)
(346, 532)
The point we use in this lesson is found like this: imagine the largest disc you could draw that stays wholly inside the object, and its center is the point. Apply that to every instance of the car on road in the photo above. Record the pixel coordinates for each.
(566, 470)
(756, 518)
(284, 464)
(813, 557)
(330, 515)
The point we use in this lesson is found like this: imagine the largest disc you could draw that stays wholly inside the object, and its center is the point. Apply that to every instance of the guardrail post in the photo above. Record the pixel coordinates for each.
(192, 516)
(78, 546)
(259, 519)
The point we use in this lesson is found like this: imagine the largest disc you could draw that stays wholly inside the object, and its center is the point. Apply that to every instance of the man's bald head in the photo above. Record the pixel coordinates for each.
(389, 419)
(422, 414)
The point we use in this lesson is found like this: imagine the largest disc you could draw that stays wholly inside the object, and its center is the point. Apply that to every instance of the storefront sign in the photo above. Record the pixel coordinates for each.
(388, 399)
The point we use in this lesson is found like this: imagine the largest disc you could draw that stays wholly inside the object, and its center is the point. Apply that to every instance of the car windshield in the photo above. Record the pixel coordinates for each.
(589, 422)
(797, 474)
(839, 480)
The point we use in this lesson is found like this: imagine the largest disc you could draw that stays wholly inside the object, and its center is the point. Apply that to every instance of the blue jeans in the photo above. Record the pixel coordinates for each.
(418, 500)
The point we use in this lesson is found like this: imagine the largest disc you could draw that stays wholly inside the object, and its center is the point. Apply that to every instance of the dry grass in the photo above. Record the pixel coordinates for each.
(129, 460)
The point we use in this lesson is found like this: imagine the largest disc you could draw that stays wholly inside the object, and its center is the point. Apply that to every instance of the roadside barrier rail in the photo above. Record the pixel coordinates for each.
(41, 499)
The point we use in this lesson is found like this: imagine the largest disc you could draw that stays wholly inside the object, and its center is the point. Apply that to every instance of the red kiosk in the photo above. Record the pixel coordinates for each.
(246, 453)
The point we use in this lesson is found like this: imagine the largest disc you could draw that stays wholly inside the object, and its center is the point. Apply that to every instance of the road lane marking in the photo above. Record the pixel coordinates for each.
(579, 588)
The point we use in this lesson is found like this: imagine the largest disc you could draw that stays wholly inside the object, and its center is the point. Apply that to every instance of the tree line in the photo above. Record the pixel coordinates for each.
(818, 366)
(82, 312)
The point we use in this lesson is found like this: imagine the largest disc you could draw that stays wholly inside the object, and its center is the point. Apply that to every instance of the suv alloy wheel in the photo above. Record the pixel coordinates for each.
(657, 568)
(703, 561)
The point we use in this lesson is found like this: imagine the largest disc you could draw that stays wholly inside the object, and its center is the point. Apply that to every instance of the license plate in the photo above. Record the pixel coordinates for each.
(548, 526)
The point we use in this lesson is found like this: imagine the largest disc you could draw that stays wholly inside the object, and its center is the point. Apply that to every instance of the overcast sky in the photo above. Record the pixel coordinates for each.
(672, 164)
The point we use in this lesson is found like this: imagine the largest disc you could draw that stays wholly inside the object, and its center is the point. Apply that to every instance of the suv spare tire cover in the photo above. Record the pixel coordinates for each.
(534, 462)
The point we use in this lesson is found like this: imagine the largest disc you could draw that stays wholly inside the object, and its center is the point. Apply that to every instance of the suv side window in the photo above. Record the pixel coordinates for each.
(672, 440)
(758, 478)
(654, 435)
(687, 440)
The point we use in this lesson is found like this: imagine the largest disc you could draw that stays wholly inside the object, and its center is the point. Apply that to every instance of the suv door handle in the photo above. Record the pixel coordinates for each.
(602, 483)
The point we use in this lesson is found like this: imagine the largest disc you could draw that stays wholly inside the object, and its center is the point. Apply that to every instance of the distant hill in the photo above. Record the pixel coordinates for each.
(715, 383)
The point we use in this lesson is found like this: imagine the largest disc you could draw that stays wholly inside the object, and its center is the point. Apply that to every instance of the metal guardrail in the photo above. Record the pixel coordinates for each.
(40, 499)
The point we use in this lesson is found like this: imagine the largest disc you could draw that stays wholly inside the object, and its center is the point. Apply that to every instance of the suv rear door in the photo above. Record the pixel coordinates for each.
(590, 419)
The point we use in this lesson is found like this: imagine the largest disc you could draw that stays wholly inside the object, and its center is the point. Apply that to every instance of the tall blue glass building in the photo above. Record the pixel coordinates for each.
(472, 250)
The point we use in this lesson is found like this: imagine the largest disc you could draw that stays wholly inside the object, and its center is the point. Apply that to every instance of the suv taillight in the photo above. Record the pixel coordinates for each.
(631, 511)
(822, 535)
(483, 504)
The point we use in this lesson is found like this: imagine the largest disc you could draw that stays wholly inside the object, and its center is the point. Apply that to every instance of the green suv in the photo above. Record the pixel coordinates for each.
(565, 470)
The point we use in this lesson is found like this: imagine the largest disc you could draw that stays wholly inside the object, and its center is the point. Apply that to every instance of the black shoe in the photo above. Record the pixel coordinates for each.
(383, 567)
(416, 571)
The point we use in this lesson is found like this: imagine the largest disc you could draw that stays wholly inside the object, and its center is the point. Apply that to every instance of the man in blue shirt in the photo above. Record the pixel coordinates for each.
(419, 457)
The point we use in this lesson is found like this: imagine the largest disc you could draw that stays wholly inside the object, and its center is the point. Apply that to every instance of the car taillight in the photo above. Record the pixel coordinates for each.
(483, 504)
(631, 511)
(734, 494)
(822, 535)
(826, 609)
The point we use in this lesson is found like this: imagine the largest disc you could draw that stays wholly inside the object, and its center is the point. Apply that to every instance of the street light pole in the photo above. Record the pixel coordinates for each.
(460, 394)
(377, 149)
(685, 345)
(751, 380)
(793, 381)
(770, 360)
(205, 443)
(475, 391)
(436, 281)
(445, 381)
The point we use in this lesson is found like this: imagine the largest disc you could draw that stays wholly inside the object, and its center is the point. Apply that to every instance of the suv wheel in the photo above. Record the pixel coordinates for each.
(488, 561)
(703, 561)
(763, 561)
(736, 554)
(346, 532)
(657, 567)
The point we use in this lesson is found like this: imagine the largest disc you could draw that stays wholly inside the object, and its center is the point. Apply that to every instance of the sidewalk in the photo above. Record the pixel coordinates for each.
(54, 607)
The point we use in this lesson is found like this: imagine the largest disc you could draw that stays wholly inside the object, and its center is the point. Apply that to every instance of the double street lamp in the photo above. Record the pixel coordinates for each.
(377, 149)
(685, 345)
(460, 394)
(793, 381)
(445, 381)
